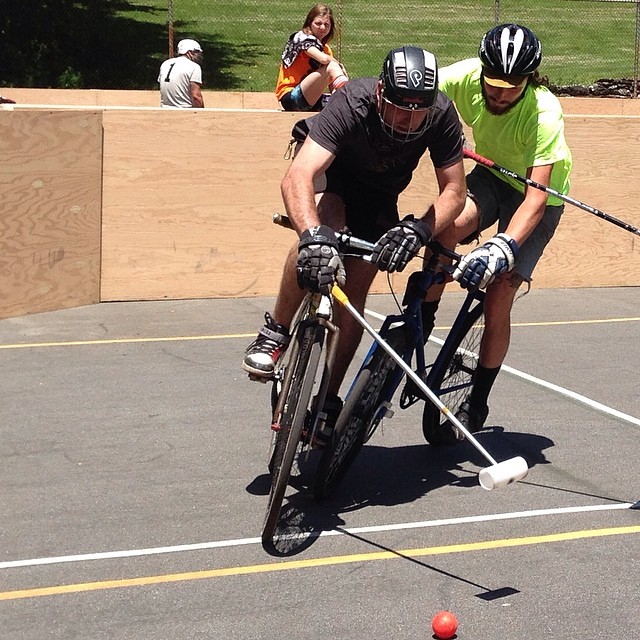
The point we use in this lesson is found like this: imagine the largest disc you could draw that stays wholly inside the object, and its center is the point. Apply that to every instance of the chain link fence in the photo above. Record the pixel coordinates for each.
(584, 41)
(590, 47)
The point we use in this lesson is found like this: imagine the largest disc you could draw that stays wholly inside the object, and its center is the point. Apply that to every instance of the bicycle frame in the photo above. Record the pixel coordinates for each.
(444, 356)
(499, 474)
(300, 389)
(417, 286)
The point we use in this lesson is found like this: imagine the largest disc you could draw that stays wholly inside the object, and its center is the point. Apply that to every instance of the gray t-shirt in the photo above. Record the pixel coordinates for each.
(349, 127)
(175, 77)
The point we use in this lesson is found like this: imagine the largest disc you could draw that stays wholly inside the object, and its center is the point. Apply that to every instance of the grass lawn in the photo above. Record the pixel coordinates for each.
(582, 40)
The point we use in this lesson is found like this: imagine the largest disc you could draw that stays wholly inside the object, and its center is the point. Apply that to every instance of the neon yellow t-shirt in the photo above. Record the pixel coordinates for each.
(528, 135)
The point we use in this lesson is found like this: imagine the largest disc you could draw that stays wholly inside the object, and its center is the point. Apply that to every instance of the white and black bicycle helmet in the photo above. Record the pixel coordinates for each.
(410, 82)
(510, 50)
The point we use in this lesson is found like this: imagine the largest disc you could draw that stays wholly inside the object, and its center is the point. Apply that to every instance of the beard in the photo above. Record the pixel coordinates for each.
(501, 109)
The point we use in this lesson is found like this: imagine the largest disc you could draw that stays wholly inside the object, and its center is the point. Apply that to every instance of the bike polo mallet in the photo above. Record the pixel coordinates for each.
(499, 474)
(485, 162)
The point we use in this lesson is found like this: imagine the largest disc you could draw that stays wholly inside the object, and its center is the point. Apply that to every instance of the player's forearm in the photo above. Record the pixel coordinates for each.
(299, 202)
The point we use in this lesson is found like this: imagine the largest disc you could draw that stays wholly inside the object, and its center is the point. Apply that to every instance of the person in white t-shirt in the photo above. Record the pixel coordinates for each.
(180, 78)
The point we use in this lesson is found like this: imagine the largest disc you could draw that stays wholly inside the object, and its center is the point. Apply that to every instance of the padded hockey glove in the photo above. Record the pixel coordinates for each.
(480, 267)
(397, 246)
(319, 266)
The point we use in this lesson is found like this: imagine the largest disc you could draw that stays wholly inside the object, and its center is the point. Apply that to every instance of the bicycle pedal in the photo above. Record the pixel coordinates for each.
(388, 411)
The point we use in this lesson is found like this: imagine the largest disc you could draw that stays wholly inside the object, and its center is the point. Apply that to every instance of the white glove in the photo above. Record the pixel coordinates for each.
(480, 267)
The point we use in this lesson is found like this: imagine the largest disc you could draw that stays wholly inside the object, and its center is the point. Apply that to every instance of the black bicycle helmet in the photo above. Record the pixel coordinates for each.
(410, 78)
(510, 50)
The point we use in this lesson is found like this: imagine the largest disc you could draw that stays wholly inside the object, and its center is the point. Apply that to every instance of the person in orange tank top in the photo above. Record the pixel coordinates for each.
(308, 66)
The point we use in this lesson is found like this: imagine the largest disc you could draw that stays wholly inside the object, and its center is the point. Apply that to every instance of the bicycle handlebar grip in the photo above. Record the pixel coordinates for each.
(282, 220)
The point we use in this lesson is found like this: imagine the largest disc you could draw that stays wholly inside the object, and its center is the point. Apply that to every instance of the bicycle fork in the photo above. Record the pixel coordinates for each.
(315, 419)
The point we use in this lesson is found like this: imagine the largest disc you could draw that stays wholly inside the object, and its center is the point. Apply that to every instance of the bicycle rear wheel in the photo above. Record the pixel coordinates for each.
(451, 375)
(294, 413)
(365, 407)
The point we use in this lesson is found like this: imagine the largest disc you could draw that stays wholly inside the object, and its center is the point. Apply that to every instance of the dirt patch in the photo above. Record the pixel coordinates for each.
(605, 88)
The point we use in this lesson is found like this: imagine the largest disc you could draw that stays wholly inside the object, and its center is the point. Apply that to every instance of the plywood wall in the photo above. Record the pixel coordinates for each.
(587, 251)
(188, 200)
(50, 205)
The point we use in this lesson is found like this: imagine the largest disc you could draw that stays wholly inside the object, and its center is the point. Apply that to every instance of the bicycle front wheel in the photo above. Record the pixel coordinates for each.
(292, 420)
(364, 409)
(451, 376)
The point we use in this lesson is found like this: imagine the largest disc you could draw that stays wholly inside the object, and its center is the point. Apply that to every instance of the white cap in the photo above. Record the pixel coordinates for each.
(188, 45)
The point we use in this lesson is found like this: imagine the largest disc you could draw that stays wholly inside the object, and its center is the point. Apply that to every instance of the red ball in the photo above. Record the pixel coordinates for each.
(444, 625)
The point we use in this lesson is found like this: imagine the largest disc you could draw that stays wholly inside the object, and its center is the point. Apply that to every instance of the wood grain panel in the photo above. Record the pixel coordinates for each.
(255, 100)
(188, 198)
(50, 181)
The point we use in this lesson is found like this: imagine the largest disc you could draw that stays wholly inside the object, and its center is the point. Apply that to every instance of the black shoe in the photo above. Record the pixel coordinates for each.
(472, 418)
(327, 420)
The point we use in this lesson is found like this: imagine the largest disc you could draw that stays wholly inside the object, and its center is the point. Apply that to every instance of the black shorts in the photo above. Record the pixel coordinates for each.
(369, 212)
(294, 100)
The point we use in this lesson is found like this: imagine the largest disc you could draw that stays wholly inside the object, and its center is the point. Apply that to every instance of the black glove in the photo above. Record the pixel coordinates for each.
(480, 267)
(401, 243)
(319, 266)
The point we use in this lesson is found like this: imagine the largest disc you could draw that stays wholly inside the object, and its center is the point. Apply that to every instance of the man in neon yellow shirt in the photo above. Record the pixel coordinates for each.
(518, 124)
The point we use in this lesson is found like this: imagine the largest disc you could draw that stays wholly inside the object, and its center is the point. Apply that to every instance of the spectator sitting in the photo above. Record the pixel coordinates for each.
(180, 78)
(308, 66)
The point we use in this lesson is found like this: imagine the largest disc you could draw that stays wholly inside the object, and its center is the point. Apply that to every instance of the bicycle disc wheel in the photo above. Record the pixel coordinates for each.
(292, 421)
(363, 410)
(451, 376)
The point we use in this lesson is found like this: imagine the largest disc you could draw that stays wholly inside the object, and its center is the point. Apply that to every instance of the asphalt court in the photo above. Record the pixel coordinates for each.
(133, 480)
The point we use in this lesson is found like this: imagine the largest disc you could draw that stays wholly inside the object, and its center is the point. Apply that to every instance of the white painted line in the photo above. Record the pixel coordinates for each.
(593, 404)
(135, 553)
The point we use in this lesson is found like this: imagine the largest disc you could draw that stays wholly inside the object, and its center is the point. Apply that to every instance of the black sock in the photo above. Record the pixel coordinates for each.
(428, 310)
(483, 380)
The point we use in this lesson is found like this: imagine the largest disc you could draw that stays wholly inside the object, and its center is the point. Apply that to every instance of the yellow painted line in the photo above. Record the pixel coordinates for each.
(228, 336)
(315, 562)
(80, 343)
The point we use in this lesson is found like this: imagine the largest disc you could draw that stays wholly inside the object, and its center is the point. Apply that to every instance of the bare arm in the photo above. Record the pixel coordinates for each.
(319, 56)
(530, 212)
(297, 188)
(449, 204)
(197, 101)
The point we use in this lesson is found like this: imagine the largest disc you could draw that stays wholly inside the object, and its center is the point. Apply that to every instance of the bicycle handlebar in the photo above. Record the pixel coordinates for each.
(347, 240)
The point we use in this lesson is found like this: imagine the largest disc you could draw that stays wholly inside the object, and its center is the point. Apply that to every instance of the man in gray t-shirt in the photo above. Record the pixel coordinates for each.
(356, 156)
(180, 78)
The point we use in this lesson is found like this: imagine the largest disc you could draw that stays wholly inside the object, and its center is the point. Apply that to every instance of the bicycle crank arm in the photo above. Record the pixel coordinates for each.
(499, 474)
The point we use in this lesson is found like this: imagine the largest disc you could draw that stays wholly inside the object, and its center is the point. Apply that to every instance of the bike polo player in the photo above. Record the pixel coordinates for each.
(357, 155)
(517, 123)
